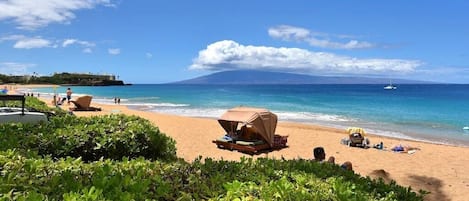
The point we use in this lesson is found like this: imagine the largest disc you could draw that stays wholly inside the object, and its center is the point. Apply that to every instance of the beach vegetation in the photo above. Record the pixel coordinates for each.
(30, 178)
(90, 138)
(64, 78)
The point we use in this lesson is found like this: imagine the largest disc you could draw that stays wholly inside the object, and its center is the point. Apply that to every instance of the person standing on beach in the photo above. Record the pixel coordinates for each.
(69, 95)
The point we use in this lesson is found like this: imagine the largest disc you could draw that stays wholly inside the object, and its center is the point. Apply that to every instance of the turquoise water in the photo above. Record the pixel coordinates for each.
(435, 113)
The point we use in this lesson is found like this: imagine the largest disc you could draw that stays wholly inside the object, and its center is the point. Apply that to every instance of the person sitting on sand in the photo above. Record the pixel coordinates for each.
(320, 156)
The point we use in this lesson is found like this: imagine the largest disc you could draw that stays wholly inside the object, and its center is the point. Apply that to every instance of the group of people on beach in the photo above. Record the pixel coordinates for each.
(31, 94)
(117, 100)
(319, 155)
(57, 100)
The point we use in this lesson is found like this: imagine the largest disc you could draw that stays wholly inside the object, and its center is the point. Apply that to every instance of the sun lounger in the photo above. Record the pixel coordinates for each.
(251, 147)
(242, 146)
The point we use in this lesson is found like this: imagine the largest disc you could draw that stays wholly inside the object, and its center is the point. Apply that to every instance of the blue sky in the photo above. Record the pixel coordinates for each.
(153, 41)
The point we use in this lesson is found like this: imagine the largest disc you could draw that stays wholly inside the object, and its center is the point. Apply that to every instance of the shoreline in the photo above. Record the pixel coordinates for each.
(438, 168)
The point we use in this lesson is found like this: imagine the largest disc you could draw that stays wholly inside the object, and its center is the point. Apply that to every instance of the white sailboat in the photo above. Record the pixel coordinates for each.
(390, 86)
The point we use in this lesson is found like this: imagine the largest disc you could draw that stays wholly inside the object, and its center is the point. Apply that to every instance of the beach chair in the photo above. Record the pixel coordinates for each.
(82, 103)
(357, 137)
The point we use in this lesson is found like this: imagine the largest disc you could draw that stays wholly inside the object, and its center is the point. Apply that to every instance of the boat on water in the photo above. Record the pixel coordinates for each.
(19, 114)
(390, 86)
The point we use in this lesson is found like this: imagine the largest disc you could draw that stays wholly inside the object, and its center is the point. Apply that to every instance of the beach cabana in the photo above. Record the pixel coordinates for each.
(259, 122)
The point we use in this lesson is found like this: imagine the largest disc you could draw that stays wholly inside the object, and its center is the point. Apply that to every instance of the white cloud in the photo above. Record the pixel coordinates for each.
(149, 55)
(30, 43)
(68, 42)
(87, 50)
(316, 39)
(86, 44)
(227, 54)
(31, 15)
(24, 42)
(114, 51)
(13, 68)
(12, 37)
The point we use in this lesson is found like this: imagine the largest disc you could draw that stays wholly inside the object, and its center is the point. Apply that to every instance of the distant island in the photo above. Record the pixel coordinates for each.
(267, 77)
(75, 79)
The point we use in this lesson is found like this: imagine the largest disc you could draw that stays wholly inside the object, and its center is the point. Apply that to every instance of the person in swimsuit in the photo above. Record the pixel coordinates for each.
(69, 95)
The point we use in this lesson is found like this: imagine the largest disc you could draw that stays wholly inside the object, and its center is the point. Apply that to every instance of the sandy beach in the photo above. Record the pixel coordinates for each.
(439, 169)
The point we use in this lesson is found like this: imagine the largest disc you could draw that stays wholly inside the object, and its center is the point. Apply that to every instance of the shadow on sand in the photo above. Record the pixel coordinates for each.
(430, 184)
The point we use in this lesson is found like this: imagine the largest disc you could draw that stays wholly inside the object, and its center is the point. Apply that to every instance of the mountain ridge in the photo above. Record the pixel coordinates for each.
(270, 77)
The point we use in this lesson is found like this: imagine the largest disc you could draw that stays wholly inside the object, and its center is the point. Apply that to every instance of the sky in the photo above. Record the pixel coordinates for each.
(156, 41)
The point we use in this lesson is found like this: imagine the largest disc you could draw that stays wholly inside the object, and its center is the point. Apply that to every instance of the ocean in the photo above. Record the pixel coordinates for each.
(434, 113)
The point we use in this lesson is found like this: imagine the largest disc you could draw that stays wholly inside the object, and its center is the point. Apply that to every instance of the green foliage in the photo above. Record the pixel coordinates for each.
(58, 78)
(25, 178)
(112, 136)
(72, 179)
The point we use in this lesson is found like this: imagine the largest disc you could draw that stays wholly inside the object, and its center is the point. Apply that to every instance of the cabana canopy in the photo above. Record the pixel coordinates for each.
(264, 121)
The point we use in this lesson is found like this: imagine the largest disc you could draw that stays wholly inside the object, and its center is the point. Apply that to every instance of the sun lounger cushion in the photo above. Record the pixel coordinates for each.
(250, 143)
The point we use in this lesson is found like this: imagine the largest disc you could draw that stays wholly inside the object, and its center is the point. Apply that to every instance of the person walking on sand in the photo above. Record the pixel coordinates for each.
(69, 95)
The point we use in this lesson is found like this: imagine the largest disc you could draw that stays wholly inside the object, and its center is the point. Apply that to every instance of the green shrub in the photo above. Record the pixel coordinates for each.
(91, 138)
(23, 178)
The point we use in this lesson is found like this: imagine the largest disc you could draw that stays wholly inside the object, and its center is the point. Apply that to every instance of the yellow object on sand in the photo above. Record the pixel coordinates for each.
(352, 130)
